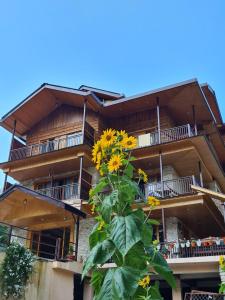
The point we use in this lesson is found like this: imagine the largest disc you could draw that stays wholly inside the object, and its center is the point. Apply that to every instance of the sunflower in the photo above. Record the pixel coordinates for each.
(143, 175)
(221, 261)
(101, 225)
(108, 137)
(129, 142)
(114, 163)
(93, 208)
(121, 135)
(144, 282)
(96, 149)
(152, 201)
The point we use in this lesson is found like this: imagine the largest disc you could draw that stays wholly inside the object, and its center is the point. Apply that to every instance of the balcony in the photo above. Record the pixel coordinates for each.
(64, 192)
(165, 136)
(54, 145)
(171, 188)
(194, 248)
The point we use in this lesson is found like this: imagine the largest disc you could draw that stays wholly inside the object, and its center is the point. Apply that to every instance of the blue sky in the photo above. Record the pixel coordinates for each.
(128, 46)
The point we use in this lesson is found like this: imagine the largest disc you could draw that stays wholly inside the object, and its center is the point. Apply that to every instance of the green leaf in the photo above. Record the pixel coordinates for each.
(119, 283)
(136, 257)
(107, 206)
(97, 278)
(129, 170)
(147, 232)
(153, 222)
(155, 293)
(125, 232)
(100, 186)
(96, 236)
(100, 254)
(161, 267)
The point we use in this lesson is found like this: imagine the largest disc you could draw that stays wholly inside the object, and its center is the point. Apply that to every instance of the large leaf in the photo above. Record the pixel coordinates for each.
(147, 232)
(161, 267)
(107, 205)
(136, 257)
(100, 254)
(96, 236)
(120, 283)
(97, 278)
(100, 186)
(125, 232)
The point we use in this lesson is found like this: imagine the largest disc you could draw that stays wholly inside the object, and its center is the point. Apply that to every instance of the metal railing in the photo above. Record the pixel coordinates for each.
(171, 188)
(53, 247)
(165, 136)
(200, 295)
(54, 145)
(191, 249)
(63, 192)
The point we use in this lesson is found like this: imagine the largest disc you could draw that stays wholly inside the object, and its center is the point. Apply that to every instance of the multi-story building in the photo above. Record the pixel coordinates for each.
(181, 137)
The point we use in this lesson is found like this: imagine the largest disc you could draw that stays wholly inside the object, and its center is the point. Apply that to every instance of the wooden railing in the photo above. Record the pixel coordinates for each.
(165, 136)
(171, 188)
(192, 249)
(54, 145)
(63, 192)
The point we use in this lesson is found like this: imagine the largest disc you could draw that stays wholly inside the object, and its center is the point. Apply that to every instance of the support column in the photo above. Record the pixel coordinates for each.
(84, 119)
(161, 173)
(164, 225)
(194, 120)
(200, 173)
(80, 177)
(9, 156)
(177, 292)
(77, 237)
(158, 119)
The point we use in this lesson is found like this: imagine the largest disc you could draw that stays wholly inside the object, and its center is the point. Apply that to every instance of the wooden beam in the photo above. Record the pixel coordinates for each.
(211, 193)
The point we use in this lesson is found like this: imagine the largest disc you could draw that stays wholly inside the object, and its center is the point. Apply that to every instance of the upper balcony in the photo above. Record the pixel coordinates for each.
(58, 155)
(56, 144)
(165, 136)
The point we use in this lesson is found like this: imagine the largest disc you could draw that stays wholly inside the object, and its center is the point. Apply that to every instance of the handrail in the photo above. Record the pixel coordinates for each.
(166, 135)
(70, 140)
(196, 248)
(171, 188)
(63, 192)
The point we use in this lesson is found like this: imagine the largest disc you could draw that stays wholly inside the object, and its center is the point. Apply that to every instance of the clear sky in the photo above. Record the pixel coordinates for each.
(128, 46)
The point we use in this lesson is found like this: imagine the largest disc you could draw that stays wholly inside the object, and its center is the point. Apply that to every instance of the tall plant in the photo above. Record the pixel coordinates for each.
(123, 233)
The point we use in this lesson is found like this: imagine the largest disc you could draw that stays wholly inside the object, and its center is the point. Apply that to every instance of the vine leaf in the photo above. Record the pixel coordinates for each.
(125, 232)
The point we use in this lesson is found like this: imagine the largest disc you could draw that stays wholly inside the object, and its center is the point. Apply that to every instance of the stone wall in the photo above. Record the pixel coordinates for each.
(86, 226)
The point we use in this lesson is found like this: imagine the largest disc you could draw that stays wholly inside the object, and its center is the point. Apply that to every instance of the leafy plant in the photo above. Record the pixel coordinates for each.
(17, 266)
(3, 236)
(123, 233)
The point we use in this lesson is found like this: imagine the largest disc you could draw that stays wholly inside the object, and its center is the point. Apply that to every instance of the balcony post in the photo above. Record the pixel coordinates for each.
(77, 236)
(164, 225)
(161, 173)
(194, 120)
(84, 119)
(158, 119)
(9, 156)
(80, 177)
(200, 173)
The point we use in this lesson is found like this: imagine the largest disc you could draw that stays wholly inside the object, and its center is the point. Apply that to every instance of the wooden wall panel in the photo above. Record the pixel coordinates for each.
(142, 121)
(64, 120)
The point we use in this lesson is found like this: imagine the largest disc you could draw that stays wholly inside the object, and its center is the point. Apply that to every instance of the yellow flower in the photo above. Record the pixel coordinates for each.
(96, 149)
(143, 175)
(108, 137)
(129, 142)
(155, 242)
(114, 163)
(101, 225)
(122, 135)
(144, 282)
(93, 208)
(153, 201)
(91, 193)
(221, 260)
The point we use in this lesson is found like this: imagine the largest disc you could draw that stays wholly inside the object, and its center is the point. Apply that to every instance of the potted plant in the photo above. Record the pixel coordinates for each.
(217, 241)
(182, 244)
(193, 243)
(70, 256)
(210, 242)
(188, 244)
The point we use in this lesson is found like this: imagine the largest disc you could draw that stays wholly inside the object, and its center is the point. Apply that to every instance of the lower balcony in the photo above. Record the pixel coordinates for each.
(64, 192)
(171, 188)
(193, 248)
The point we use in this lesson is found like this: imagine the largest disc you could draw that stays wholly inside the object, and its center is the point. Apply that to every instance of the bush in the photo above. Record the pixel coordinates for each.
(17, 266)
